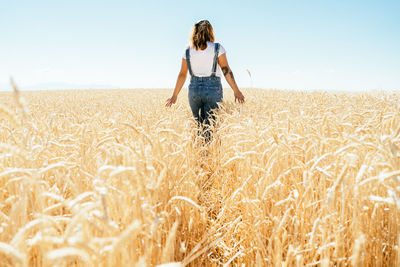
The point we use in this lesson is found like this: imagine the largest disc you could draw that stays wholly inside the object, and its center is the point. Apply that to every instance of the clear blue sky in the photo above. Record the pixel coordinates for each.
(309, 44)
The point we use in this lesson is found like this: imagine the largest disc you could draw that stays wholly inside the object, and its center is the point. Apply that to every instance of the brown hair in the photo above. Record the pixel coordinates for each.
(202, 33)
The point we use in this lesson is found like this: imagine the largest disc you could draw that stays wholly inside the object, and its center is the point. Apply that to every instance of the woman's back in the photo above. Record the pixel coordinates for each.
(201, 61)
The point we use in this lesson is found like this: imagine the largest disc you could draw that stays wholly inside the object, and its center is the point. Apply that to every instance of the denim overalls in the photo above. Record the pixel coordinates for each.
(204, 94)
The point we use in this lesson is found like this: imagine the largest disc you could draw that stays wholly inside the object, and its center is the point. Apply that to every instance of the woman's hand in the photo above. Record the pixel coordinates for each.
(239, 97)
(170, 101)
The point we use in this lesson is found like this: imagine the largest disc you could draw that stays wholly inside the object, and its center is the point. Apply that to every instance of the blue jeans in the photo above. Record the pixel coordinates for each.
(204, 95)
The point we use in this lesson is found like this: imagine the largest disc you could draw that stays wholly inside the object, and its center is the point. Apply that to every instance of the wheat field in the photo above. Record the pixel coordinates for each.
(113, 178)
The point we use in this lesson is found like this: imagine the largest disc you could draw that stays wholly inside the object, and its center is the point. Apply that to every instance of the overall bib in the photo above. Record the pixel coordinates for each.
(204, 95)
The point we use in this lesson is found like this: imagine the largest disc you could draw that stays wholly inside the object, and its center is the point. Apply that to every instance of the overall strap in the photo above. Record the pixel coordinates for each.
(188, 61)
(214, 68)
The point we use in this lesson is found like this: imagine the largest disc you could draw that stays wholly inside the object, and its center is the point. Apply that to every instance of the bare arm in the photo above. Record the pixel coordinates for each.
(223, 63)
(179, 83)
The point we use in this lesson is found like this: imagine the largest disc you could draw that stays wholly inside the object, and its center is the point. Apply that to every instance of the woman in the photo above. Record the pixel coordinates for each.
(205, 88)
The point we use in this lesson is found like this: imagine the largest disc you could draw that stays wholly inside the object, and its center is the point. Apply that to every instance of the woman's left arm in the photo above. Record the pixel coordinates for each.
(179, 83)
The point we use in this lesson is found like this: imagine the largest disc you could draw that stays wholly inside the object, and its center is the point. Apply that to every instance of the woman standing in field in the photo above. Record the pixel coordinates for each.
(205, 88)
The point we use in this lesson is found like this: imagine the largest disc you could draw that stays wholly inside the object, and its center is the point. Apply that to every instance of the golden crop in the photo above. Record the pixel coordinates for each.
(113, 178)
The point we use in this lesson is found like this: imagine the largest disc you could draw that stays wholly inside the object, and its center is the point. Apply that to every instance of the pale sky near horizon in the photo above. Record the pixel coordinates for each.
(309, 44)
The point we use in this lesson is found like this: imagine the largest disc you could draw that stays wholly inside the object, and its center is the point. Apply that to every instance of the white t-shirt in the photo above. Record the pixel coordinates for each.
(201, 61)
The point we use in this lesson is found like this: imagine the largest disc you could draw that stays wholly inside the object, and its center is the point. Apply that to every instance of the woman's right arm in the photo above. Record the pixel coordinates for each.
(223, 63)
